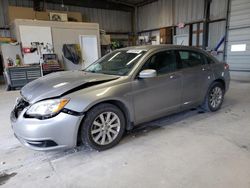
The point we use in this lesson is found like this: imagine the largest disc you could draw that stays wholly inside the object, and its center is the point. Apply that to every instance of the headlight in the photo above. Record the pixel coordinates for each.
(47, 107)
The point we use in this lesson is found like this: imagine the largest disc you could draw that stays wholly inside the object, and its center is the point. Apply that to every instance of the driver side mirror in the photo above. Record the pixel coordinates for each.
(148, 73)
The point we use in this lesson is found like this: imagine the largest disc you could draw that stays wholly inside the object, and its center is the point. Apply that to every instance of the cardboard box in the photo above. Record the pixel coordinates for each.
(41, 15)
(58, 16)
(71, 15)
(20, 13)
(75, 15)
(29, 13)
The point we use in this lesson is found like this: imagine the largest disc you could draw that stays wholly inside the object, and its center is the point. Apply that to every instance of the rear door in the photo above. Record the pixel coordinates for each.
(196, 77)
(160, 95)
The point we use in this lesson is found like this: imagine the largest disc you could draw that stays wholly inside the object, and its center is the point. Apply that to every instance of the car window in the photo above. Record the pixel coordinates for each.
(191, 59)
(119, 62)
(163, 62)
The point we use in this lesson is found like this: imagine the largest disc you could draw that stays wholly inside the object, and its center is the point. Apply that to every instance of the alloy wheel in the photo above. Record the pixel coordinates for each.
(105, 128)
(216, 97)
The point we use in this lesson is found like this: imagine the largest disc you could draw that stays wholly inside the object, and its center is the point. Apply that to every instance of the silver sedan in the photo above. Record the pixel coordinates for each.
(123, 89)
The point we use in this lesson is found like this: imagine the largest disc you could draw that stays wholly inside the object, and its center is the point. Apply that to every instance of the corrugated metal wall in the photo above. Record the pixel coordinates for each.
(109, 20)
(217, 31)
(21, 3)
(155, 15)
(239, 34)
(5, 33)
(188, 10)
(159, 14)
(171, 12)
(3, 18)
(218, 9)
(163, 13)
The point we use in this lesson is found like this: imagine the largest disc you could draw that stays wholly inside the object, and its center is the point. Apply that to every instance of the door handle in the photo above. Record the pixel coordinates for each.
(204, 69)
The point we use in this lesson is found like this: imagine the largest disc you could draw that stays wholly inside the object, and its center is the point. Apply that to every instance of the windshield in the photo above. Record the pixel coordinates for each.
(117, 62)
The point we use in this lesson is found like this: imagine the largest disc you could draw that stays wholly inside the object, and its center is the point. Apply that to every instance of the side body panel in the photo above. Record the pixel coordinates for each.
(117, 90)
(221, 73)
(156, 97)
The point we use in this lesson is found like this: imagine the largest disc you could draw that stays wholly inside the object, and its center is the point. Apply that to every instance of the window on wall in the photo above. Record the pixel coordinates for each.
(163, 62)
(197, 34)
(191, 59)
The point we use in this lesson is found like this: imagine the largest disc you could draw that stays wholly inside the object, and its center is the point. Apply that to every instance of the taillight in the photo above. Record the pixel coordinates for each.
(226, 66)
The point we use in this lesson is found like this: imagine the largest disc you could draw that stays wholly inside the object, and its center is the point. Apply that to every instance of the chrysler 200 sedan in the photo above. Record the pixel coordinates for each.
(123, 89)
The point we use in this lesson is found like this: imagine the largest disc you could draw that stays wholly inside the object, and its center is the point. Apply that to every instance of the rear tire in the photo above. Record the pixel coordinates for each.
(214, 97)
(103, 127)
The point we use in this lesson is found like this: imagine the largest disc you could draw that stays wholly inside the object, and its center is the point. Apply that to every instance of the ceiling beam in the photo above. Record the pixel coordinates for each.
(100, 4)
(145, 3)
(122, 3)
(142, 3)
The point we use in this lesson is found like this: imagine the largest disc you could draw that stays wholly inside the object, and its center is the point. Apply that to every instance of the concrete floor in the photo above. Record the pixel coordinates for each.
(190, 149)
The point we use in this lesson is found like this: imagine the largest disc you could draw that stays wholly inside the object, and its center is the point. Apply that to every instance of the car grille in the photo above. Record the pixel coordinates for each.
(20, 105)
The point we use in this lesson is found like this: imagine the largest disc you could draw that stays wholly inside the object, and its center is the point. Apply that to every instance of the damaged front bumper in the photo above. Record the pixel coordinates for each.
(58, 132)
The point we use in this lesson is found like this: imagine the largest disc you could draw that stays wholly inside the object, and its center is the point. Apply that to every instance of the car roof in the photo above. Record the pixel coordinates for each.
(161, 46)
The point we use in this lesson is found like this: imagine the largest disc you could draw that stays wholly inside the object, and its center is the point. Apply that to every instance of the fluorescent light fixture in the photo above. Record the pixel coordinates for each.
(133, 59)
(60, 85)
(114, 56)
(238, 48)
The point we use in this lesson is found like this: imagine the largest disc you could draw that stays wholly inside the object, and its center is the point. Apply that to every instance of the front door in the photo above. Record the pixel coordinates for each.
(160, 95)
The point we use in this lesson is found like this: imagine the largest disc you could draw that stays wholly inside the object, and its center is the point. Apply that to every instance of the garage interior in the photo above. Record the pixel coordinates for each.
(188, 149)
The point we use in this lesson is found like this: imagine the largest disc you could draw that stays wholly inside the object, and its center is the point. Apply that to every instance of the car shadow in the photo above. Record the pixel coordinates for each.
(163, 123)
(157, 125)
(170, 121)
(177, 119)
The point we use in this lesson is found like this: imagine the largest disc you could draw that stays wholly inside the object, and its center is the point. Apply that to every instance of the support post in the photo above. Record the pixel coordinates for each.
(206, 23)
(134, 22)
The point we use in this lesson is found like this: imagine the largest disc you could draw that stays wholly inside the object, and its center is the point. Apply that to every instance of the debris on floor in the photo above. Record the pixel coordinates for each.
(4, 177)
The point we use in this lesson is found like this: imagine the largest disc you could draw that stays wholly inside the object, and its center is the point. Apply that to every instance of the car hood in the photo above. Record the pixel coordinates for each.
(61, 83)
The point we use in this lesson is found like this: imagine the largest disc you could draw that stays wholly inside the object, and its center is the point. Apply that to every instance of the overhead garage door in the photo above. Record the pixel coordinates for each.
(238, 48)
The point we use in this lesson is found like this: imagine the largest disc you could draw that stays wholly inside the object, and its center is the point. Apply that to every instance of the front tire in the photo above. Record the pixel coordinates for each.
(103, 127)
(214, 97)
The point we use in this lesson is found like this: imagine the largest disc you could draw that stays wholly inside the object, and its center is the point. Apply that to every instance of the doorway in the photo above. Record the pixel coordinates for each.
(89, 48)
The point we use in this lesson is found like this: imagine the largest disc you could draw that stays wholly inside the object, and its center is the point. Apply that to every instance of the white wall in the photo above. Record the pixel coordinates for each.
(68, 31)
